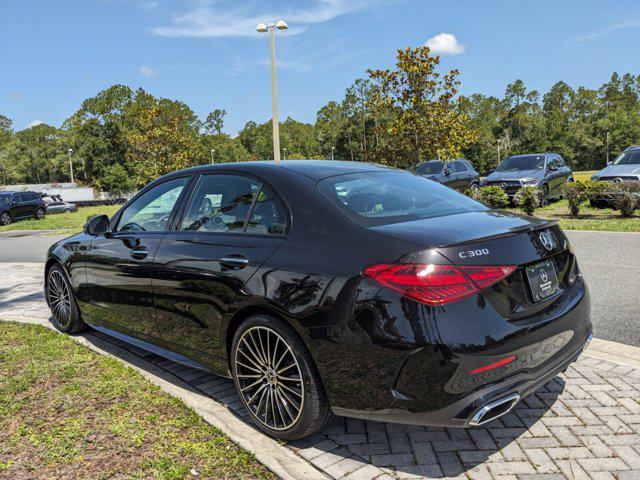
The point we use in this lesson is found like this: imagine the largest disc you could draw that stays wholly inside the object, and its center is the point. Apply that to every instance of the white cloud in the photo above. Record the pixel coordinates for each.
(221, 21)
(147, 71)
(446, 43)
(35, 122)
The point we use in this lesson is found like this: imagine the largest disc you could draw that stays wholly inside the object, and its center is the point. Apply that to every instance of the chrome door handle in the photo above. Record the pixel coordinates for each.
(234, 262)
(139, 252)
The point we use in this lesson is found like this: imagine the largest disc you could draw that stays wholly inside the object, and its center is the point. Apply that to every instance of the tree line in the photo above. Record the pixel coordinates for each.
(122, 138)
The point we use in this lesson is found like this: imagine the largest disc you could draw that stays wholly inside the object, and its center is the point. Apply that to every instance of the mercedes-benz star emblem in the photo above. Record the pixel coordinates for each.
(546, 240)
(543, 276)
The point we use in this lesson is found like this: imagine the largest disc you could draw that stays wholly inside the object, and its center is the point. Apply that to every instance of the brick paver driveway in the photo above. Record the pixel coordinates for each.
(584, 424)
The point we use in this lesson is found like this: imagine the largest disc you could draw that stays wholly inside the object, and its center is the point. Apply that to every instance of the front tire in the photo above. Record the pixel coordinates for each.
(62, 302)
(5, 219)
(544, 196)
(277, 379)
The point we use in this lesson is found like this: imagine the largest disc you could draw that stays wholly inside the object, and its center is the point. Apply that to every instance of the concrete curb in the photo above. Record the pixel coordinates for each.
(269, 452)
(614, 352)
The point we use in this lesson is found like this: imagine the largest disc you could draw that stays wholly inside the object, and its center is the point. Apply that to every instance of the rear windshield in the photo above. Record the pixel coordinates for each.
(429, 168)
(628, 158)
(523, 162)
(381, 198)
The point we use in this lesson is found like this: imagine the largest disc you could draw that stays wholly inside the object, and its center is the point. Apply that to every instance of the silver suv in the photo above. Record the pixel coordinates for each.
(625, 168)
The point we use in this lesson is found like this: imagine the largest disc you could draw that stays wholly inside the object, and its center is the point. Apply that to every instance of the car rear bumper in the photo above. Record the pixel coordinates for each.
(467, 411)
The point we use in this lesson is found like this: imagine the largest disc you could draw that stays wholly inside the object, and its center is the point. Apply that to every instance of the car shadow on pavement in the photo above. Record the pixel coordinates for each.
(346, 445)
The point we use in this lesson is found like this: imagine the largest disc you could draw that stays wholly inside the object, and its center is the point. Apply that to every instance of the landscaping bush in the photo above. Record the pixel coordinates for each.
(527, 199)
(575, 193)
(493, 196)
(626, 202)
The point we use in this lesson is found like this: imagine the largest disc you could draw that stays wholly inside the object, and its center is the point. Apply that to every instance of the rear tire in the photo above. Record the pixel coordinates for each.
(5, 218)
(62, 302)
(277, 379)
(39, 214)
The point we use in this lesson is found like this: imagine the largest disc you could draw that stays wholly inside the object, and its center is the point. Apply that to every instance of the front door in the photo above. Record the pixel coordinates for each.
(118, 291)
(20, 206)
(230, 226)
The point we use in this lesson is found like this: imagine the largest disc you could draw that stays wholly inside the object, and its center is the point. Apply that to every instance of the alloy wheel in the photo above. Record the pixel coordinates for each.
(40, 214)
(269, 378)
(59, 298)
(5, 219)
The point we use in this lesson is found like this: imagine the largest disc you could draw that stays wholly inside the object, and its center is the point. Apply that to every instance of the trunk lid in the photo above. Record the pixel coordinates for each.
(495, 238)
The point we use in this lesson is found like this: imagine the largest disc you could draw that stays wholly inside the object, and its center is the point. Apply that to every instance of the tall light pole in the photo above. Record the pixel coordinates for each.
(607, 148)
(71, 165)
(212, 152)
(271, 27)
(285, 153)
(332, 149)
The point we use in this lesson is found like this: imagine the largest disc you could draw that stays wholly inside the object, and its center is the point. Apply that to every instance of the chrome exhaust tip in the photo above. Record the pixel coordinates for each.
(493, 410)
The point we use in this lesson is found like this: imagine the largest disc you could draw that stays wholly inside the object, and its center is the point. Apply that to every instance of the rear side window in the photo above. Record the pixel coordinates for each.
(380, 198)
(268, 215)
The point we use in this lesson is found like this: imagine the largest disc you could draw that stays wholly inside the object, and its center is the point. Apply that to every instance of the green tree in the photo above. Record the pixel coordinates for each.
(418, 101)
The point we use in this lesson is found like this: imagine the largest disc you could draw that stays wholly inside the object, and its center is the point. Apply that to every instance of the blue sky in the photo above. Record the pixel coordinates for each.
(54, 54)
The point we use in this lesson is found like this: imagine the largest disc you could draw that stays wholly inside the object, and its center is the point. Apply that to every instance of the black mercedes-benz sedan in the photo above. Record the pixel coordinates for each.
(327, 287)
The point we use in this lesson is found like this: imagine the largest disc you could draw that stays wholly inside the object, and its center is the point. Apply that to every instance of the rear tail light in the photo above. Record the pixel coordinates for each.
(436, 284)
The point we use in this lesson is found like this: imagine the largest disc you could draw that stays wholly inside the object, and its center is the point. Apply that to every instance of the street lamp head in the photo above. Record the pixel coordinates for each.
(71, 150)
(281, 25)
(261, 28)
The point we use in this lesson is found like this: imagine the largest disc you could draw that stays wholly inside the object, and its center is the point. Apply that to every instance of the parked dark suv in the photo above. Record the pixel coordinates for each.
(458, 174)
(547, 171)
(17, 205)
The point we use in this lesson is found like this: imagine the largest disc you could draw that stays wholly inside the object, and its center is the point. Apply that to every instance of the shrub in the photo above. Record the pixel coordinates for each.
(575, 193)
(493, 197)
(527, 199)
(626, 202)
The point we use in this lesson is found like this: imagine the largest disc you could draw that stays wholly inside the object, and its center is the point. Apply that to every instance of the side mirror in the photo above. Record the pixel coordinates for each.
(552, 168)
(447, 171)
(98, 225)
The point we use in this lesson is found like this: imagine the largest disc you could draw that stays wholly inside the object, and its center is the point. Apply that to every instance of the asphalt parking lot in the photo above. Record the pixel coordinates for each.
(609, 260)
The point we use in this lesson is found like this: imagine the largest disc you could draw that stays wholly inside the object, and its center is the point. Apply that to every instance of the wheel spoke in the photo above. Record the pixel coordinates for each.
(256, 358)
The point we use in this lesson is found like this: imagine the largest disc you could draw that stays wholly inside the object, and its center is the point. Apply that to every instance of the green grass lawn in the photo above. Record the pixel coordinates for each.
(589, 219)
(68, 412)
(70, 222)
(583, 176)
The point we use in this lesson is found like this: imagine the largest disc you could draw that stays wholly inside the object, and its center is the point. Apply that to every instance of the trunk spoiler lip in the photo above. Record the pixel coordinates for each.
(526, 228)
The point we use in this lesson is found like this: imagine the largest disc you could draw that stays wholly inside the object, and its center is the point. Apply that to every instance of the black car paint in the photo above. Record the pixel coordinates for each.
(19, 207)
(554, 175)
(380, 355)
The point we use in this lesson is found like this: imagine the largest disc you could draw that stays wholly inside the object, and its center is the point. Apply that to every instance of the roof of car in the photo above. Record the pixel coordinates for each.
(315, 169)
(18, 191)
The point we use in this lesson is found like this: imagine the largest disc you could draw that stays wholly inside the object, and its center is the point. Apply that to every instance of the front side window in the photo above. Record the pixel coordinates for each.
(220, 203)
(150, 212)
(459, 167)
(628, 158)
(522, 162)
(393, 197)
(5, 199)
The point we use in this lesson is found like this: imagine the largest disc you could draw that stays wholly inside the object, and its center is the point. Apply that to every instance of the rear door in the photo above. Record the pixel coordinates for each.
(230, 226)
(118, 290)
